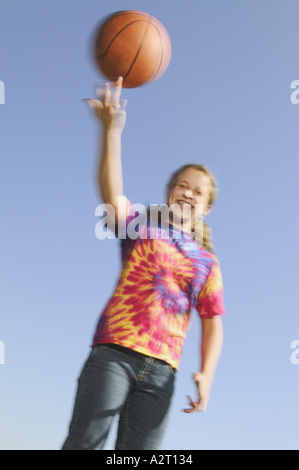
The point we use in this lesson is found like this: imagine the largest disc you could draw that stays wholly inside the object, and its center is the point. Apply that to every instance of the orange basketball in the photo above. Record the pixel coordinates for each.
(133, 45)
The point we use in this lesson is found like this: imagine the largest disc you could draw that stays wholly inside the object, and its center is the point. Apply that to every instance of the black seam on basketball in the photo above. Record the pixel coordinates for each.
(140, 46)
(162, 51)
(119, 32)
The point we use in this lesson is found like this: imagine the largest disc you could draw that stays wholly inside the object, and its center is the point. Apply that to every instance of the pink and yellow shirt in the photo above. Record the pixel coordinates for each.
(161, 281)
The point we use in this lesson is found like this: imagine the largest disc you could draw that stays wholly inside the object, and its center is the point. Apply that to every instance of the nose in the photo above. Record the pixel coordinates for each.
(188, 193)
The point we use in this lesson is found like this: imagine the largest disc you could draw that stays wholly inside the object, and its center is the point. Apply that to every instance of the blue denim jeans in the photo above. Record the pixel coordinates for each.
(117, 380)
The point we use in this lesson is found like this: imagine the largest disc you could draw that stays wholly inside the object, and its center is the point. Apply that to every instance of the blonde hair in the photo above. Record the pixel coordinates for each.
(206, 236)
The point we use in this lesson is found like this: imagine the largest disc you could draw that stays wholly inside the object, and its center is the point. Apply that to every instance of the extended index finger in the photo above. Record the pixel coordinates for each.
(118, 88)
(192, 404)
(196, 406)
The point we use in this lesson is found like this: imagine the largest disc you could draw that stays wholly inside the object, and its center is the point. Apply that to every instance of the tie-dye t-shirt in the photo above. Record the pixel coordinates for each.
(164, 276)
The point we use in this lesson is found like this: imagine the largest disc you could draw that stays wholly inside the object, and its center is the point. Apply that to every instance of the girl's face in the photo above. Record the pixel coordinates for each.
(193, 188)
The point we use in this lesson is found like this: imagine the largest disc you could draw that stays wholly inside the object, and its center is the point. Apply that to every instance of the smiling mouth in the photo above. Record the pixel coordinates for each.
(184, 203)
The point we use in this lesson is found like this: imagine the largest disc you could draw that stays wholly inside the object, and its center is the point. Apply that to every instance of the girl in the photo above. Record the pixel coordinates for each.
(140, 335)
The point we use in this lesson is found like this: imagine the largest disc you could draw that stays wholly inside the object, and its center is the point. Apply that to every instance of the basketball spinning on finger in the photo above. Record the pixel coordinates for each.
(133, 45)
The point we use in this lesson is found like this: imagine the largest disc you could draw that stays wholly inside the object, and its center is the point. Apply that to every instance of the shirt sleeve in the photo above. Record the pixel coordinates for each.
(210, 300)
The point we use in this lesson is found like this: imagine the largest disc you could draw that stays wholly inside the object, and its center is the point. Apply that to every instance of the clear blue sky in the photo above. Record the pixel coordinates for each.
(224, 102)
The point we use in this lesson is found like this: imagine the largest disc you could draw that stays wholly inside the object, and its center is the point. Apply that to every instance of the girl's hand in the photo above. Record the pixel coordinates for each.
(203, 384)
(110, 109)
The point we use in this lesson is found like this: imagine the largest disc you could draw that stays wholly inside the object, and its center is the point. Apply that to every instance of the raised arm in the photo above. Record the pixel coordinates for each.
(111, 112)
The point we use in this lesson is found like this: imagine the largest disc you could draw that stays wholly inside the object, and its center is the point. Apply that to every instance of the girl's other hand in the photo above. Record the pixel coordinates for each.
(203, 385)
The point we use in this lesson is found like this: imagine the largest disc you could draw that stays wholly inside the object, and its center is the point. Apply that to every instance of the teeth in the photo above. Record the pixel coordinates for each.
(184, 203)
